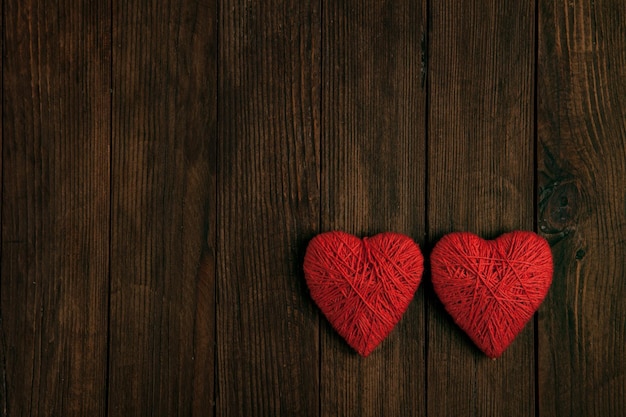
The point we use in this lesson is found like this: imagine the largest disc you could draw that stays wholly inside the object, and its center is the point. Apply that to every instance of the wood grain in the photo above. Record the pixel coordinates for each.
(55, 208)
(165, 164)
(373, 177)
(268, 207)
(3, 354)
(582, 166)
(480, 179)
(163, 208)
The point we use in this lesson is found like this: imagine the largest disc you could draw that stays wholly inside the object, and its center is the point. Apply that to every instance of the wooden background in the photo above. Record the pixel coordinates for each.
(164, 165)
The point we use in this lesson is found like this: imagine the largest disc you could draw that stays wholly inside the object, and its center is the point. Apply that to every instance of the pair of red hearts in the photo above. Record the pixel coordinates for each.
(490, 288)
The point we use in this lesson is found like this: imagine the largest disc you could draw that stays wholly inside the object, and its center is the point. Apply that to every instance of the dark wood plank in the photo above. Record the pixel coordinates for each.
(3, 356)
(268, 207)
(373, 160)
(163, 208)
(55, 207)
(582, 162)
(481, 176)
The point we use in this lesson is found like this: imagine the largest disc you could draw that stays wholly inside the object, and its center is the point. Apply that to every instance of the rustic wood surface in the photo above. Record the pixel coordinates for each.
(581, 167)
(56, 118)
(480, 179)
(164, 115)
(164, 166)
(268, 208)
(373, 173)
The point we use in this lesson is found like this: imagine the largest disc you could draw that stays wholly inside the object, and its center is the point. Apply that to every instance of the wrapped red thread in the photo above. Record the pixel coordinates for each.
(363, 287)
(492, 288)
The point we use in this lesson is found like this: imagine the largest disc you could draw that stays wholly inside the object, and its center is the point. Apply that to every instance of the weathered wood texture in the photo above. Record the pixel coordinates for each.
(164, 125)
(165, 165)
(582, 206)
(373, 177)
(3, 368)
(480, 179)
(267, 328)
(55, 208)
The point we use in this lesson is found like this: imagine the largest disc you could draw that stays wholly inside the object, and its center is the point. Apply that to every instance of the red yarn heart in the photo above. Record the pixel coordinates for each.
(492, 288)
(363, 286)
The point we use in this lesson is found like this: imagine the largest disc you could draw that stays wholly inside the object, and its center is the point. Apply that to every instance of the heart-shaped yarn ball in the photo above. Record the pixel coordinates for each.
(363, 287)
(492, 288)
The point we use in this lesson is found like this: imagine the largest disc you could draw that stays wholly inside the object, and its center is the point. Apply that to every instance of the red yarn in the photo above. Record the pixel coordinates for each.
(492, 288)
(363, 286)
